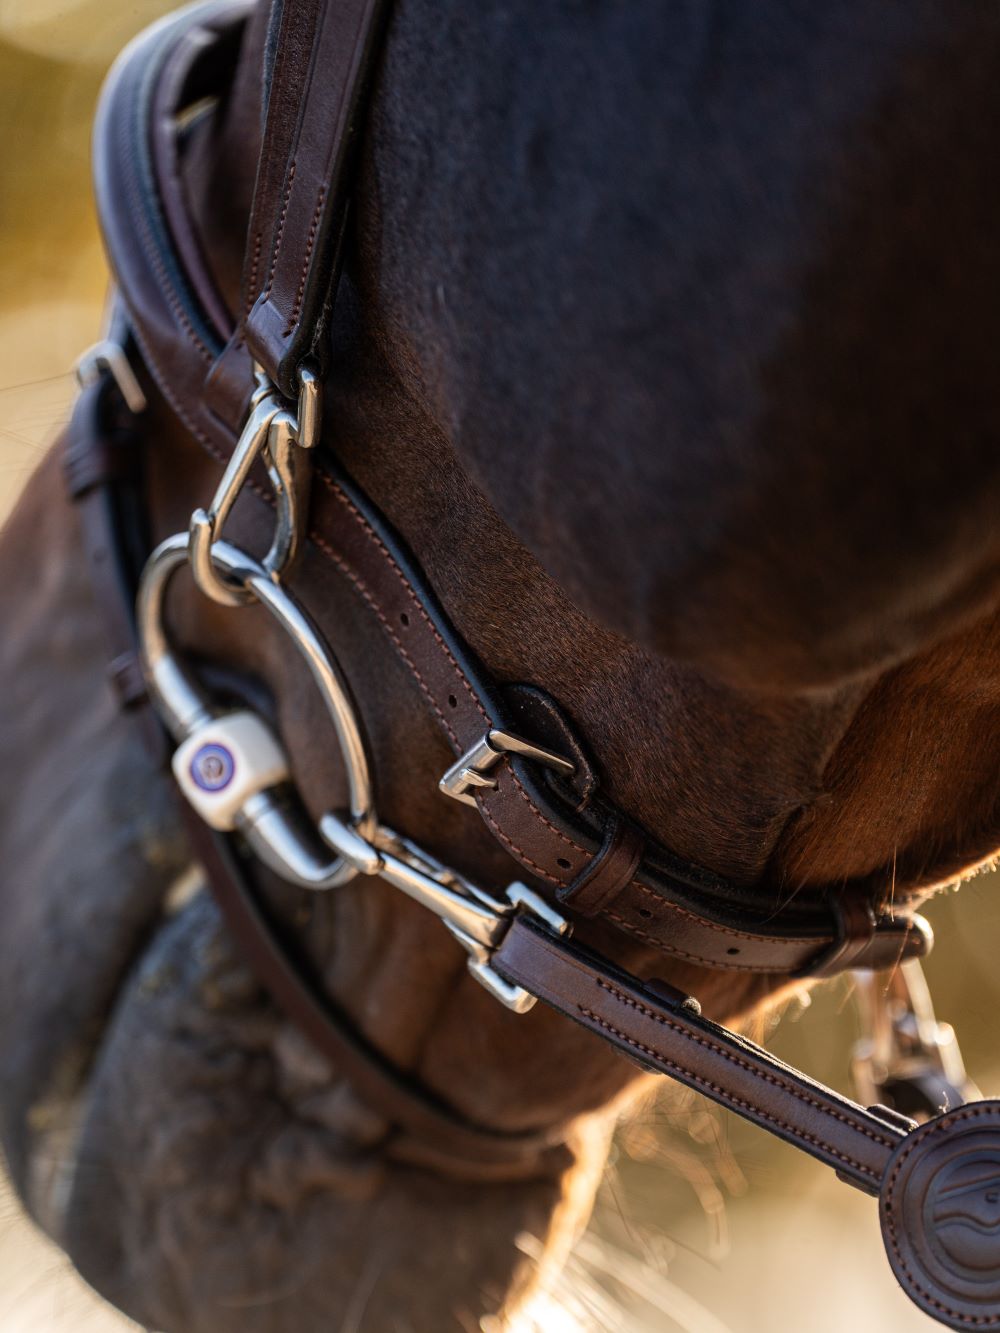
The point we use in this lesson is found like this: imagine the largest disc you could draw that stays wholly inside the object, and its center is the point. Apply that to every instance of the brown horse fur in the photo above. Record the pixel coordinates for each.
(740, 538)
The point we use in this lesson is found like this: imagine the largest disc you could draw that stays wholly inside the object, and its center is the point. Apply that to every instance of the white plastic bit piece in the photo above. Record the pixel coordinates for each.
(225, 762)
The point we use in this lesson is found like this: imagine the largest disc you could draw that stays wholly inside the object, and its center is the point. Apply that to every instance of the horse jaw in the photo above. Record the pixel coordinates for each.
(250, 1157)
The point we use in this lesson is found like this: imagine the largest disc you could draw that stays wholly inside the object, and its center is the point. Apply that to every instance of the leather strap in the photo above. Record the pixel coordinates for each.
(559, 833)
(555, 834)
(664, 1031)
(322, 65)
(201, 56)
(609, 873)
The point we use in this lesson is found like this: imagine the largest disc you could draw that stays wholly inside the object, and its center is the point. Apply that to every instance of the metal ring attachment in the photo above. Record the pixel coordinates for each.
(278, 830)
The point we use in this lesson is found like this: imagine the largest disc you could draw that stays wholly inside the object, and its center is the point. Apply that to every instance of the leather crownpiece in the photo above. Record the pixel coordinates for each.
(940, 1213)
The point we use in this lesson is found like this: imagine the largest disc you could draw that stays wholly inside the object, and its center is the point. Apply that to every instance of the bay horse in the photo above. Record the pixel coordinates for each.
(664, 341)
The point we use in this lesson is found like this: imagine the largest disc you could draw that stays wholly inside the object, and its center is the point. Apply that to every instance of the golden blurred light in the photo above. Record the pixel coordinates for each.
(76, 31)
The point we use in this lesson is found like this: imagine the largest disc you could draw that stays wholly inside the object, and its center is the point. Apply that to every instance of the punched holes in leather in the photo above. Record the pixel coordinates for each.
(940, 1213)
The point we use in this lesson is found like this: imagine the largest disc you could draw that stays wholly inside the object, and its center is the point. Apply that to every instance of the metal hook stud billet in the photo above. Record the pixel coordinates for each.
(206, 525)
(235, 756)
(279, 438)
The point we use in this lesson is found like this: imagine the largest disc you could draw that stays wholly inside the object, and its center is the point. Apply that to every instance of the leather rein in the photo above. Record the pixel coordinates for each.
(252, 398)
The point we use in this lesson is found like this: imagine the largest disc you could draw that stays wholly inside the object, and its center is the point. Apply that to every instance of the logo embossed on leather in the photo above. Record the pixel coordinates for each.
(940, 1211)
(963, 1207)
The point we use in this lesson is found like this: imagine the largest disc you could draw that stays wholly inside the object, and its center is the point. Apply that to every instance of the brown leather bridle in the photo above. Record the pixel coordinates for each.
(518, 759)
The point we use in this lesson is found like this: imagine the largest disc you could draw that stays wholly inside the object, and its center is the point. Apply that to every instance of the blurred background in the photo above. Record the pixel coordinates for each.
(704, 1224)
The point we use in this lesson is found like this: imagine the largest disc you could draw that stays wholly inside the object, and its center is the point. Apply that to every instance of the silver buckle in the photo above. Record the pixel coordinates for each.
(471, 772)
(110, 356)
(477, 919)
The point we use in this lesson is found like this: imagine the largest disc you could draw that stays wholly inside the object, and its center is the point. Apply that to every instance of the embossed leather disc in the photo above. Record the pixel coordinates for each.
(940, 1213)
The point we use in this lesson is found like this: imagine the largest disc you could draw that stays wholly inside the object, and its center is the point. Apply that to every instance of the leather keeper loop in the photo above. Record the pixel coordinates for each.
(612, 870)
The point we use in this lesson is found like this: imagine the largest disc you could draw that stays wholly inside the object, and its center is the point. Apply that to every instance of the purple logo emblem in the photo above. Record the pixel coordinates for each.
(212, 767)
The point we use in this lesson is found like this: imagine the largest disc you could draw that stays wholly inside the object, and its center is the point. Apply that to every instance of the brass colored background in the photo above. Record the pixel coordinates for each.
(704, 1225)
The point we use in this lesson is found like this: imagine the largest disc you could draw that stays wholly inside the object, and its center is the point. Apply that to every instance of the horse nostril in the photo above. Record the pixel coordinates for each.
(732, 951)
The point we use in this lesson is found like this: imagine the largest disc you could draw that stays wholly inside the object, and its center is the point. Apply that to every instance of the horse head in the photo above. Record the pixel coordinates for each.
(662, 344)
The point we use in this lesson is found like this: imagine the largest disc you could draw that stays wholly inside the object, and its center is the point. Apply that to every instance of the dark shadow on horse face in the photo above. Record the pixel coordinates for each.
(703, 297)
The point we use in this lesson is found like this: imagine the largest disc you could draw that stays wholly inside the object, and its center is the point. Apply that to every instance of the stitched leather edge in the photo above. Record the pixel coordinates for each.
(975, 1111)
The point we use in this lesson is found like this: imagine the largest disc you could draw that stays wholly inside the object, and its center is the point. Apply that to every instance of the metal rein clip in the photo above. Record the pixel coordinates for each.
(278, 437)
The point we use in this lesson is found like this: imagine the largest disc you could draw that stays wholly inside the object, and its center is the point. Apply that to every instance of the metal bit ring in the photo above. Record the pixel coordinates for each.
(285, 838)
